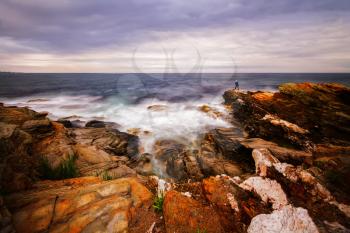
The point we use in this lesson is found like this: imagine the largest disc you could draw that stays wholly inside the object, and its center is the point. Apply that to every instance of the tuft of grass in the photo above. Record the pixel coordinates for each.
(201, 231)
(158, 203)
(106, 176)
(66, 169)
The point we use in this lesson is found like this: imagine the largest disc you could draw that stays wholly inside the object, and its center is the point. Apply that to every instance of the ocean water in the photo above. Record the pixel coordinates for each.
(126, 98)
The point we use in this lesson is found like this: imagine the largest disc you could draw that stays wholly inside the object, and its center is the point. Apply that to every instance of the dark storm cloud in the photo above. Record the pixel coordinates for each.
(75, 25)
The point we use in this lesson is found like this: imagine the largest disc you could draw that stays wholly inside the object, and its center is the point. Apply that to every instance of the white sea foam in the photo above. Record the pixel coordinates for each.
(179, 121)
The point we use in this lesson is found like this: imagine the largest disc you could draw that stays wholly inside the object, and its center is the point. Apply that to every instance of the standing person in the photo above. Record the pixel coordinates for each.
(236, 85)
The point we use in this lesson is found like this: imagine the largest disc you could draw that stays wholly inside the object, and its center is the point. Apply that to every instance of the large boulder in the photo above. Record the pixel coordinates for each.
(81, 205)
(286, 220)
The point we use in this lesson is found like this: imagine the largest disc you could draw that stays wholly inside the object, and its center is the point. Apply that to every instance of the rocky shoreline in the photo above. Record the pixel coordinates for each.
(287, 172)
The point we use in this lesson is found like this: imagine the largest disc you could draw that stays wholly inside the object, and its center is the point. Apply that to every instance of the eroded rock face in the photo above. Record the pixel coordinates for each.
(19, 129)
(300, 114)
(16, 164)
(303, 189)
(286, 220)
(79, 205)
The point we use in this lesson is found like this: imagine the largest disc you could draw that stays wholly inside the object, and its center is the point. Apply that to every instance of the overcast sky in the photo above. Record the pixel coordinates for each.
(176, 35)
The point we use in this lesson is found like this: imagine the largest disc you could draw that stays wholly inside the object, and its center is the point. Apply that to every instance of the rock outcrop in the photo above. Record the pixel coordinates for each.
(300, 114)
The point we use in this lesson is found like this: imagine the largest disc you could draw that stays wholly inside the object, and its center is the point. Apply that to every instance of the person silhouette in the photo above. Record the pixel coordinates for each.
(236, 85)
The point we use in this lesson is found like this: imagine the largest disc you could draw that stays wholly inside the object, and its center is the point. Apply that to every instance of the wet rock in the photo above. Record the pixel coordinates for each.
(286, 220)
(101, 124)
(221, 153)
(210, 111)
(225, 143)
(211, 166)
(78, 123)
(111, 141)
(178, 161)
(144, 165)
(80, 205)
(157, 107)
(38, 128)
(184, 214)
(95, 124)
(192, 166)
(171, 154)
(66, 123)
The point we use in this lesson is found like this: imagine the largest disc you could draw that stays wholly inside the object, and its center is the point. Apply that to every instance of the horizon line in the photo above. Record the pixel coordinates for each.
(15, 72)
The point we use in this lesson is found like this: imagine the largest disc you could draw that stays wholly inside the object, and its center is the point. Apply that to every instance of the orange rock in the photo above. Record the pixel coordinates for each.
(263, 96)
(81, 204)
(186, 215)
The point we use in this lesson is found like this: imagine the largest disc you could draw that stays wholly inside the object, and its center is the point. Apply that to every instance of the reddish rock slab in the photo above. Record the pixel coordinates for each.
(185, 215)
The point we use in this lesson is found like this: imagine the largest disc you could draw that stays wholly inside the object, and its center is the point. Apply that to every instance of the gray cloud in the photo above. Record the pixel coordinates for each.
(75, 25)
(90, 35)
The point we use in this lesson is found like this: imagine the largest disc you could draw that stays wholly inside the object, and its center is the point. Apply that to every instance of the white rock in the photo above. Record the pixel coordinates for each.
(270, 191)
(284, 124)
(286, 220)
(263, 159)
(233, 202)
